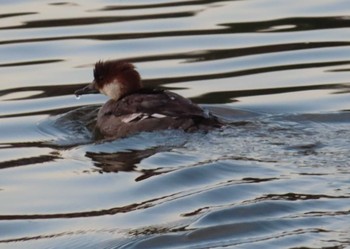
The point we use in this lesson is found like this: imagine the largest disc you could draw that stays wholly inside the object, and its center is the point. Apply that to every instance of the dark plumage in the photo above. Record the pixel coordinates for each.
(134, 109)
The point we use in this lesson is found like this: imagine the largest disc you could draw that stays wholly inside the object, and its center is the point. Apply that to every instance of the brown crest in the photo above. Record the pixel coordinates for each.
(106, 72)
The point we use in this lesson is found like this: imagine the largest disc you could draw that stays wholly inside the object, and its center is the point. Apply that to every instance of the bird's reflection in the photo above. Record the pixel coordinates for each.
(126, 161)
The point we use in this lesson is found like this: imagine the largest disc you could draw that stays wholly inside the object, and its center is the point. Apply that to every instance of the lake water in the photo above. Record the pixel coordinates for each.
(276, 176)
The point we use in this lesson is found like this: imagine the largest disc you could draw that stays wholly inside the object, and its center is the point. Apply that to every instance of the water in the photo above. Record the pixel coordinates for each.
(276, 176)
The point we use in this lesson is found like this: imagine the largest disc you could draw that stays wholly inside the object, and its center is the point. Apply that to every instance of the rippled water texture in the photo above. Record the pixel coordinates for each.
(276, 176)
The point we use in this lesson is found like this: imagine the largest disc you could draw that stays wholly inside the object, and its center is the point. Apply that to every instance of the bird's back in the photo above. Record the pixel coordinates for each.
(149, 110)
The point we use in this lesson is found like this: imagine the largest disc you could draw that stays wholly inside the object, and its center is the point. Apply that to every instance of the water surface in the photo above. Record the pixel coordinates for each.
(276, 176)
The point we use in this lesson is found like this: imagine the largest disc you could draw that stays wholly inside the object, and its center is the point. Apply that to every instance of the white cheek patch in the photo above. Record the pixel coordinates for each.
(112, 90)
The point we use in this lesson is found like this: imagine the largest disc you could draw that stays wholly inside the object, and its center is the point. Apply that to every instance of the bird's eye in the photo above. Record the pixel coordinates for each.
(98, 77)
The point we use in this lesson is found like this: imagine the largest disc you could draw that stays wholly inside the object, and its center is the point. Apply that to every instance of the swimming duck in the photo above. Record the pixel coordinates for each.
(133, 108)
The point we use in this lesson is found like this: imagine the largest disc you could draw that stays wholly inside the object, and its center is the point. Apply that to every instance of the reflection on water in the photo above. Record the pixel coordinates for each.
(274, 177)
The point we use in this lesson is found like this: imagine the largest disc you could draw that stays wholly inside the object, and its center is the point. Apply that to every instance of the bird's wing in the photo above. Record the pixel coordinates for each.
(162, 103)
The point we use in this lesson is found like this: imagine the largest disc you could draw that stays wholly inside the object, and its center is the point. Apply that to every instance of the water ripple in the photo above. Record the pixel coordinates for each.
(275, 176)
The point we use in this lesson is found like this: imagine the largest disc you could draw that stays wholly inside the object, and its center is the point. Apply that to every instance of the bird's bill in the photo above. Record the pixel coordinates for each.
(89, 89)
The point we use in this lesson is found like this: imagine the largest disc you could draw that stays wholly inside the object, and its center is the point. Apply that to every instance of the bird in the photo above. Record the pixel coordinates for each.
(132, 108)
